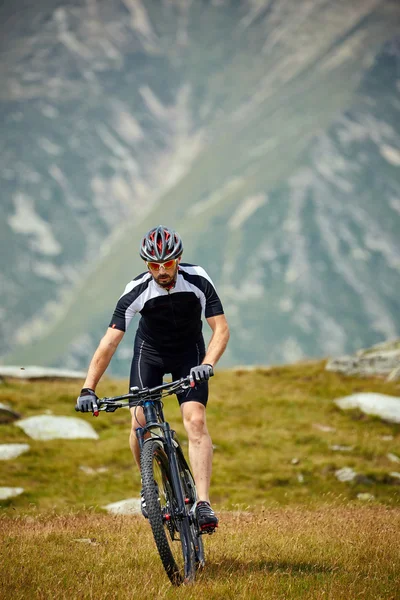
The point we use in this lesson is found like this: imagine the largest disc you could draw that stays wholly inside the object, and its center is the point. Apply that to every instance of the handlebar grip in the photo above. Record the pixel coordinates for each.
(95, 410)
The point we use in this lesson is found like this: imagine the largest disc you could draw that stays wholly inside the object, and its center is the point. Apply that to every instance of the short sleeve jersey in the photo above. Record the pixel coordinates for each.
(170, 319)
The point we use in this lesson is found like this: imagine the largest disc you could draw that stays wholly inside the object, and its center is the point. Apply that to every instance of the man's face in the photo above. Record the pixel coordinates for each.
(164, 273)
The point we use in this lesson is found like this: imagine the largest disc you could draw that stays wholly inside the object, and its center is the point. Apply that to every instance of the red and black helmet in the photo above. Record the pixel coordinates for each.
(161, 244)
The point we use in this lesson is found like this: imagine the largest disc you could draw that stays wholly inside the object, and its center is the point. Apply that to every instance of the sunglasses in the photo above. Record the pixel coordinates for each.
(155, 266)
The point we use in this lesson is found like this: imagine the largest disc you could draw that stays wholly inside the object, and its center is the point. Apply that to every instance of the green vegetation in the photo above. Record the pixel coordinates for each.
(289, 528)
(265, 424)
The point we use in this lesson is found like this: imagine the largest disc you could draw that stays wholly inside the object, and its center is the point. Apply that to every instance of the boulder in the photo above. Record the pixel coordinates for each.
(33, 372)
(9, 451)
(10, 492)
(46, 427)
(130, 506)
(7, 414)
(379, 405)
(379, 360)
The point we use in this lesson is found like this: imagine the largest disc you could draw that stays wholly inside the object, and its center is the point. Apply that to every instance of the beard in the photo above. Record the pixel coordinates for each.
(165, 280)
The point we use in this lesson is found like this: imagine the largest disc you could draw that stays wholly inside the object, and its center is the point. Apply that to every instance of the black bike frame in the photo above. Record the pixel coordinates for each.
(154, 415)
(155, 420)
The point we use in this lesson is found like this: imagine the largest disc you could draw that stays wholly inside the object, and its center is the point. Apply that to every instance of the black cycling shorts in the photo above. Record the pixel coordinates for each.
(149, 367)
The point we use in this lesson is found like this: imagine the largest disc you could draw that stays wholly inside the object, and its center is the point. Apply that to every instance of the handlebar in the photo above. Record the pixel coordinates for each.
(141, 394)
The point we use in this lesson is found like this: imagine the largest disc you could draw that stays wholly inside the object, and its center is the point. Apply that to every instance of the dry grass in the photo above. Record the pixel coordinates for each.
(333, 552)
(289, 528)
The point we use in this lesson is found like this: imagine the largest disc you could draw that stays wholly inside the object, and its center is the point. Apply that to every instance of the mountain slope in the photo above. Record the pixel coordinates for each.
(252, 128)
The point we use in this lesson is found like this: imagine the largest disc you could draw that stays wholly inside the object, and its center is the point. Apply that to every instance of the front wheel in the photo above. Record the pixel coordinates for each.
(171, 531)
(190, 494)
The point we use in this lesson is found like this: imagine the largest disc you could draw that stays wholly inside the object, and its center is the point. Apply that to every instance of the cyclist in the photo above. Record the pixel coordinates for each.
(170, 297)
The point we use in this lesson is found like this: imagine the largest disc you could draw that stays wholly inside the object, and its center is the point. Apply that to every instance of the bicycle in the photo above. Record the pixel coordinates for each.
(168, 486)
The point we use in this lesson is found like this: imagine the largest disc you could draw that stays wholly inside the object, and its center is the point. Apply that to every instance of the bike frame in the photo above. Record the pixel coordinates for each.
(157, 430)
(155, 421)
(150, 401)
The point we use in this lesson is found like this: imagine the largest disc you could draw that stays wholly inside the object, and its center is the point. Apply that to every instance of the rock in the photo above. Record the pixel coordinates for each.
(381, 359)
(91, 471)
(363, 479)
(338, 448)
(365, 496)
(45, 427)
(393, 457)
(294, 461)
(10, 492)
(33, 372)
(8, 451)
(345, 474)
(395, 474)
(130, 506)
(380, 405)
(7, 414)
(324, 428)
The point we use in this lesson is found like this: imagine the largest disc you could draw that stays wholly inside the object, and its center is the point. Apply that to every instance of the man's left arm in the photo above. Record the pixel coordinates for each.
(218, 341)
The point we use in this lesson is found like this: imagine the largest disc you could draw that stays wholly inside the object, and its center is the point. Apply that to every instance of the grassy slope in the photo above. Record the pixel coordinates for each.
(279, 538)
(259, 420)
(335, 554)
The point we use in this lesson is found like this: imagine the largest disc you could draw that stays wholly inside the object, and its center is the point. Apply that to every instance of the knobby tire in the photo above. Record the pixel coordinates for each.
(189, 491)
(180, 565)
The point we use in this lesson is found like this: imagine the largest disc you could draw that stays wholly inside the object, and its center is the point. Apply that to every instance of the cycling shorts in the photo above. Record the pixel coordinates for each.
(149, 367)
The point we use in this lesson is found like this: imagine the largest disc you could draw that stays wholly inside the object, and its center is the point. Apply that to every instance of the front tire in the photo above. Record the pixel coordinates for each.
(190, 494)
(171, 533)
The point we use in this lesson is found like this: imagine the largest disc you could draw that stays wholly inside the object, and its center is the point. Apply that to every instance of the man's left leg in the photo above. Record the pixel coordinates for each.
(200, 457)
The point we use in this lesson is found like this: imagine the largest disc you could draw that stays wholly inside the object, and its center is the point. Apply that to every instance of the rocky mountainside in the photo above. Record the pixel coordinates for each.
(266, 132)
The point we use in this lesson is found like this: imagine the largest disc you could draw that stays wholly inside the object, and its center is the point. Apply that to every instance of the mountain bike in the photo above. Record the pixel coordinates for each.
(168, 486)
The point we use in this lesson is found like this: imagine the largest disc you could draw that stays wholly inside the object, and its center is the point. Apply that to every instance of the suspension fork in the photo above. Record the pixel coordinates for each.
(174, 469)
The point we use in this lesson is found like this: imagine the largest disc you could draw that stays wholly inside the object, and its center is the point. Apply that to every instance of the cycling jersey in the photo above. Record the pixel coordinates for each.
(170, 319)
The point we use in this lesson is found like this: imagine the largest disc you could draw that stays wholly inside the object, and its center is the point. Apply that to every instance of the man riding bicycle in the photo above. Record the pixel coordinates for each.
(170, 297)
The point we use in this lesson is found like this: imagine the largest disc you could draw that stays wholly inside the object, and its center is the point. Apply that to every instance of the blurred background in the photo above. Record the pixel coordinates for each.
(267, 132)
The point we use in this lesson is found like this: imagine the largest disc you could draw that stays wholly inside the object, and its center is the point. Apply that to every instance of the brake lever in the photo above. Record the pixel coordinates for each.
(95, 409)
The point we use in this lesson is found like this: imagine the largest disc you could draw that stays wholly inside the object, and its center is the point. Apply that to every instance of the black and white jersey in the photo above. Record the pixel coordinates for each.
(170, 319)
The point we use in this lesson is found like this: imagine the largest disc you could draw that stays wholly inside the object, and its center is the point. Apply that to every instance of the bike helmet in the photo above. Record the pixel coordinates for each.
(161, 244)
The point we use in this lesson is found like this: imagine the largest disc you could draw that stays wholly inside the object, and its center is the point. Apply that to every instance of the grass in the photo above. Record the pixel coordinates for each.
(278, 553)
(289, 528)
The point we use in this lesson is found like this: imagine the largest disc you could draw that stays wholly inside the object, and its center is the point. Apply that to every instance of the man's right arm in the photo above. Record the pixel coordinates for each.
(102, 356)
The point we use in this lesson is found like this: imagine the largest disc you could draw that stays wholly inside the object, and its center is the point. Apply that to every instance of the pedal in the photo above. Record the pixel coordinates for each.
(208, 529)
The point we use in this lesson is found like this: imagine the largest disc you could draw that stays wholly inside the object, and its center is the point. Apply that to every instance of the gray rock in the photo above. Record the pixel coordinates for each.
(380, 405)
(33, 372)
(324, 428)
(345, 474)
(10, 492)
(9, 451)
(130, 506)
(90, 471)
(7, 414)
(393, 457)
(45, 427)
(339, 448)
(365, 496)
(381, 359)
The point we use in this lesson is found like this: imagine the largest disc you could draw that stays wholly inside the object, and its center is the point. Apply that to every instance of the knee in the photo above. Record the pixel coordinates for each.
(195, 427)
